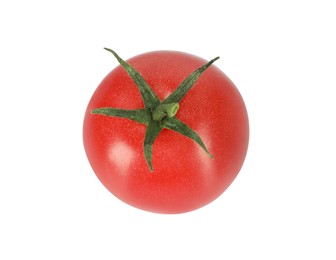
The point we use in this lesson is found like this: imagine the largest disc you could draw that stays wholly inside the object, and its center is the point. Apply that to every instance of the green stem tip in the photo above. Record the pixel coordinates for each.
(164, 110)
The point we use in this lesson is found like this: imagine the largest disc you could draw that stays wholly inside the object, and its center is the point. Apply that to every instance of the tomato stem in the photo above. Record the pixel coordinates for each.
(164, 110)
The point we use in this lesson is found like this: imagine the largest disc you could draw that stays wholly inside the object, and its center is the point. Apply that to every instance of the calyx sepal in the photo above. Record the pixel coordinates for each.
(157, 115)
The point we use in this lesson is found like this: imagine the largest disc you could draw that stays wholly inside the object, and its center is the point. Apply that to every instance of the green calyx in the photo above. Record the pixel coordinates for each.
(157, 115)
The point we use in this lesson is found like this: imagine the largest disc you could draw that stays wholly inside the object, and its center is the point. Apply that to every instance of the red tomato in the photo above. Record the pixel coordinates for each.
(179, 175)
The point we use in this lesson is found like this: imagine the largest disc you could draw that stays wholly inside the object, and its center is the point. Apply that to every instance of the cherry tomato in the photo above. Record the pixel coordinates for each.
(166, 131)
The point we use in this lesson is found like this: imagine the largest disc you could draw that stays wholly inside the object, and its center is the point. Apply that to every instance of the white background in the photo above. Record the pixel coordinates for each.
(280, 54)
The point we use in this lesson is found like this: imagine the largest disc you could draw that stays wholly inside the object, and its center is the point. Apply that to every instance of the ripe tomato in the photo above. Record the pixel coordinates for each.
(166, 160)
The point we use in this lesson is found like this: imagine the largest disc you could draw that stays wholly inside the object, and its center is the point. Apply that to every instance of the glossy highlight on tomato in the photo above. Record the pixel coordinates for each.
(166, 131)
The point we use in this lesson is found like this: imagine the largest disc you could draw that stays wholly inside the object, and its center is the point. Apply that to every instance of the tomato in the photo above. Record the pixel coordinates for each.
(166, 131)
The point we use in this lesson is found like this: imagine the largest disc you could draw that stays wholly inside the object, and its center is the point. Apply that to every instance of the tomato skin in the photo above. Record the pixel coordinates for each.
(185, 177)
